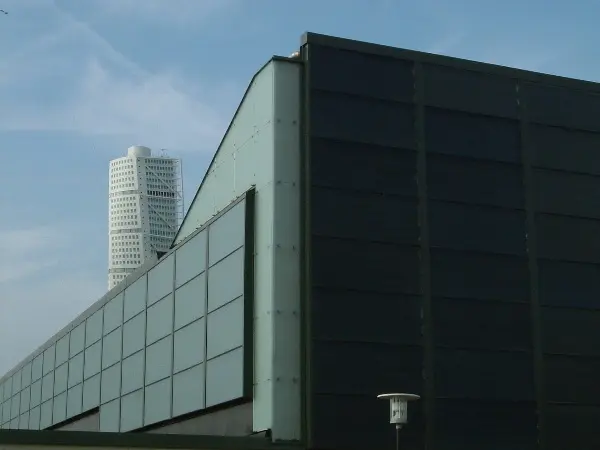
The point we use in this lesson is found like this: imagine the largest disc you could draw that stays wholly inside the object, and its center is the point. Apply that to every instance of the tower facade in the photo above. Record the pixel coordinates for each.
(145, 209)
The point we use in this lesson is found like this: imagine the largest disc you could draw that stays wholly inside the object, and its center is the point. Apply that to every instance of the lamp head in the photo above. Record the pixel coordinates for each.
(399, 406)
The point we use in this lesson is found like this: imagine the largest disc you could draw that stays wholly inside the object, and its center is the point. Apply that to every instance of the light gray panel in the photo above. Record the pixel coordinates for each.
(26, 376)
(36, 393)
(16, 384)
(110, 416)
(15, 406)
(91, 393)
(62, 350)
(190, 259)
(225, 378)
(134, 334)
(188, 390)
(160, 279)
(46, 415)
(59, 412)
(190, 301)
(225, 328)
(133, 373)
(6, 411)
(157, 405)
(24, 421)
(132, 411)
(135, 298)
(93, 328)
(25, 399)
(8, 389)
(34, 418)
(36, 367)
(48, 386)
(226, 234)
(93, 360)
(158, 360)
(160, 320)
(76, 370)
(111, 383)
(60, 379)
(113, 314)
(14, 424)
(189, 346)
(226, 280)
(74, 401)
(111, 348)
(77, 340)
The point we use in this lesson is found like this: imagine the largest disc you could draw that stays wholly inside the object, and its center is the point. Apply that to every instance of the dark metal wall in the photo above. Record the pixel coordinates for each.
(453, 251)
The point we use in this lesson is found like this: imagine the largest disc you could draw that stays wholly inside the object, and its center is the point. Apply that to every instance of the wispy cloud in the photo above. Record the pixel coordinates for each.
(177, 11)
(30, 313)
(27, 251)
(105, 93)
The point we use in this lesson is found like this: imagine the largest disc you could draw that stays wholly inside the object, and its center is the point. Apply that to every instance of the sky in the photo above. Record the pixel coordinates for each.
(82, 80)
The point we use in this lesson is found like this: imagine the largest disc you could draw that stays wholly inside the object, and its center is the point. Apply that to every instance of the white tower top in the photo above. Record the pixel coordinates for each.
(138, 150)
(145, 201)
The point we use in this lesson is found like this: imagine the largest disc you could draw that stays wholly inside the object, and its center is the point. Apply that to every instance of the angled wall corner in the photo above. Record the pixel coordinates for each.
(261, 150)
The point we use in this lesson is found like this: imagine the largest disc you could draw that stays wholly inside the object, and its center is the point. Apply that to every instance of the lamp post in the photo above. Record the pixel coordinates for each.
(398, 410)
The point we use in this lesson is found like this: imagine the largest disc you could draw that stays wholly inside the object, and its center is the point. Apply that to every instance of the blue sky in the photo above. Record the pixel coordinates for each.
(81, 80)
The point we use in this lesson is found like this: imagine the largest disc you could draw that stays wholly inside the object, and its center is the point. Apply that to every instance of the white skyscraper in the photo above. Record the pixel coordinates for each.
(145, 209)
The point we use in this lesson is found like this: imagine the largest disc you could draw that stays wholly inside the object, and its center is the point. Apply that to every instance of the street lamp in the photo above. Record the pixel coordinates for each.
(399, 410)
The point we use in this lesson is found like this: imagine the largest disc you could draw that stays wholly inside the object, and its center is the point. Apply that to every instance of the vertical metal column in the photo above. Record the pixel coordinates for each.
(528, 189)
(425, 263)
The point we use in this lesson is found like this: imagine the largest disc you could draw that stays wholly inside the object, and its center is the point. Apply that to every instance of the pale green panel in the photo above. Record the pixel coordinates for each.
(49, 357)
(74, 400)
(190, 259)
(76, 370)
(36, 393)
(62, 350)
(113, 314)
(34, 418)
(189, 346)
(91, 393)
(134, 335)
(188, 390)
(26, 376)
(93, 329)
(77, 339)
(46, 415)
(16, 386)
(158, 360)
(135, 298)
(241, 161)
(277, 406)
(190, 301)
(60, 408)
(111, 348)
(132, 411)
(60, 378)
(36, 367)
(160, 279)
(93, 359)
(225, 378)
(226, 234)
(25, 399)
(157, 405)
(110, 416)
(286, 403)
(132, 377)
(24, 421)
(111, 383)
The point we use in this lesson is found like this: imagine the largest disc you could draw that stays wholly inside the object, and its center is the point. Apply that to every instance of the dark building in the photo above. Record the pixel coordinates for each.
(452, 230)
(374, 220)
